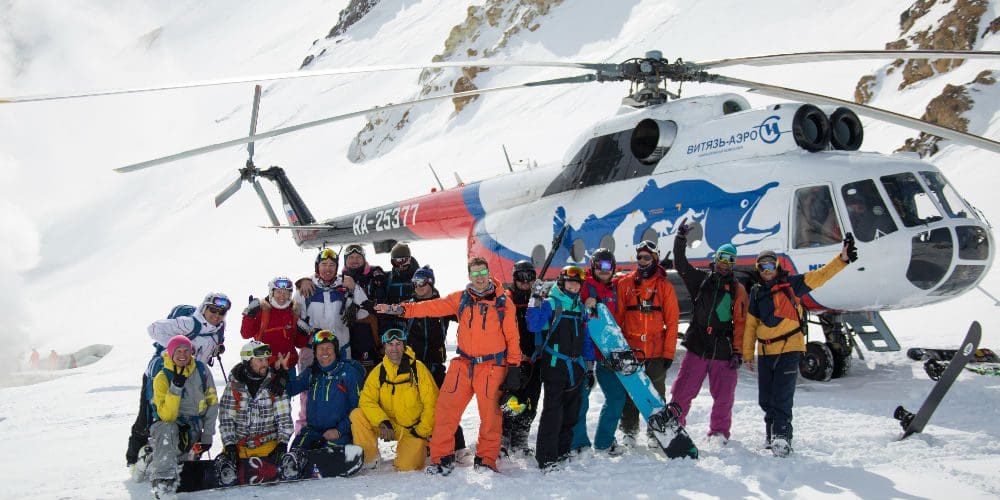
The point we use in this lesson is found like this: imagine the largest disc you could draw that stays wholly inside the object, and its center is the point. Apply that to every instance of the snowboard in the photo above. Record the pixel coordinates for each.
(608, 337)
(914, 423)
(922, 354)
(330, 461)
(935, 369)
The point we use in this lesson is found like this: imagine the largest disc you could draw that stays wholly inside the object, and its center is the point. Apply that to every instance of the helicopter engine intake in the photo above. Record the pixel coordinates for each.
(846, 131)
(652, 139)
(811, 128)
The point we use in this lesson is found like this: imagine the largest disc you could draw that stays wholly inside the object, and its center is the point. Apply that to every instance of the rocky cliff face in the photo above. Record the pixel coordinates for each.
(936, 25)
(485, 31)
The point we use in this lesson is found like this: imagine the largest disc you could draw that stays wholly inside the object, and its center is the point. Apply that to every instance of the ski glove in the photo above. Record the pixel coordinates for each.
(735, 361)
(682, 230)
(219, 349)
(231, 453)
(538, 289)
(850, 251)
(278, 382)
(350, 315)
(513, 380)
(179, 380)
(253, 308)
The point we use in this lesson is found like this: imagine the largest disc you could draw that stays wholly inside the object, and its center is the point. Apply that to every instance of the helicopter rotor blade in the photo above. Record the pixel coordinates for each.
(273, 133)
(861, 109)
(229, 191)
(267, 204)
(305, 74)
(253, 120)
(845, 55)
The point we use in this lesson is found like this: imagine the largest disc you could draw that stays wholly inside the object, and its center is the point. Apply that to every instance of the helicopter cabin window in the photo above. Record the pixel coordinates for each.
(912, 203)
(815, 218)
(866, 210)
(946, 195)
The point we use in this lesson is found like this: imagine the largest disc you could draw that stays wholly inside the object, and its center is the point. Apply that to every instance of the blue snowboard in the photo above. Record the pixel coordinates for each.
(608, 337)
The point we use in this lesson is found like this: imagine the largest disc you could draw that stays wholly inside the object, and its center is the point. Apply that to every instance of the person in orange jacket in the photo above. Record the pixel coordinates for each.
(647, 313)
(488, 344)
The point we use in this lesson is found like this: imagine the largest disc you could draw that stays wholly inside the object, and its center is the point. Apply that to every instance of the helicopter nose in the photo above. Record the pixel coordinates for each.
(947, 261)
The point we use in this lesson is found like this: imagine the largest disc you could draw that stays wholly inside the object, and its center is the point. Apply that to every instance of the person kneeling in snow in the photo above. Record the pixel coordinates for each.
(256, 419)
(332, 386)
(397, 404)
(184, 410)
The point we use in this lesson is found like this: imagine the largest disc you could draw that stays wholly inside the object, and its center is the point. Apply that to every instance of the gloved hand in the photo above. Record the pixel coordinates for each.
(278, 382)
(682, 229)
(219, 349)
(386, 432)
(231, 453)
(379, 278)
(513, 380)
(538, 289)
(589, 379)
(735, 361)
(278, 452)
(179, 380)
(252, 308)
(850, 252)
(350, 315)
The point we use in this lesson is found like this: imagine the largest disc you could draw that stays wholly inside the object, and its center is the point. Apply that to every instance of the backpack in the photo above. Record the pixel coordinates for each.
(180, 311)
(412, 368)
(501, 305)
(154, 368)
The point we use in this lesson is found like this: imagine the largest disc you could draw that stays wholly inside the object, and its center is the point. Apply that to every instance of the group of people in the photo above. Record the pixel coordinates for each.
(364, 350)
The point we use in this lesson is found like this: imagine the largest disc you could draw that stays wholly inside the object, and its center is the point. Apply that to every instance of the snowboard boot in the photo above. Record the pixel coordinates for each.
(781, 446)
(291, 464)
(628, 440)
(140, 468)
(225, 471)
(164, 488)
(442, 468)
(481, 465)
(615, 450)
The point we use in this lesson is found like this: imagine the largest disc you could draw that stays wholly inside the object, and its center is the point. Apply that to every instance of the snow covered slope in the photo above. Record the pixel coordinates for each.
(91, 257)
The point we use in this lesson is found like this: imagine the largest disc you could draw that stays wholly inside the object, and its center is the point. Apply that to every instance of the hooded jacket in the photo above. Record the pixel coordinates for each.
(719, 315)
(654, 332)
(406, 399)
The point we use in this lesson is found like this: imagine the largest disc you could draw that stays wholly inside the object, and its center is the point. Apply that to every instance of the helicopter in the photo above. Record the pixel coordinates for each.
(788, 177)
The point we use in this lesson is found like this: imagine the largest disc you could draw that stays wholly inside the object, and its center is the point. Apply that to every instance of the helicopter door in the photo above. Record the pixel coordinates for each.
(816, 222)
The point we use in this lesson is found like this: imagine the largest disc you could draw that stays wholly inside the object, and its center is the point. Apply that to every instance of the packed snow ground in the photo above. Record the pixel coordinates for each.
(90, 256)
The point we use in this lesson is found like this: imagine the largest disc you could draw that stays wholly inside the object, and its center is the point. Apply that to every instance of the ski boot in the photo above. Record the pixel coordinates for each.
(444, 468)
(781, 446)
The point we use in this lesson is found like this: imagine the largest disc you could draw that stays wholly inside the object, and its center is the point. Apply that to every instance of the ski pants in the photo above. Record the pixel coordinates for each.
(776, 375)
(721, 384)
(140, 428)
(437, 371)
(656, 370)
(559, 411)
(611, 412)
(517, 427)
(411, 451)
(462, 381)
(164, 437)
(311, 438)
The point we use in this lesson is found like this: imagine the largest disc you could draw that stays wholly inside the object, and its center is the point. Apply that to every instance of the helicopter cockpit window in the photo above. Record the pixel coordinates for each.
(866, 210)
(912, 203)
(946, 195)
(816, 221)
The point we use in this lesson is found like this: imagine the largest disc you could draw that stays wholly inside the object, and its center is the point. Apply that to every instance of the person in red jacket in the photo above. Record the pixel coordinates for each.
(488, 344)
(647, 313)
(274, 321)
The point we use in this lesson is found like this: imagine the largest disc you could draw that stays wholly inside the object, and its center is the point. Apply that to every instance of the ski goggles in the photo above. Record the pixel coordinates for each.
(261, 351)
(725, 257)
(648, 246)
(218, 305)
(393, 334)
(525, 276)
(767, 265)
(323, 336)
(400, 261)
(479, 273)
(604, 265)
(354, 249)
(418, 282)
(282, 284)
(328, 253)
(574, 273)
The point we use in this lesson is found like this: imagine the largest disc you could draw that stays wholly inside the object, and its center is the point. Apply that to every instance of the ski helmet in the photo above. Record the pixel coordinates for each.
(325, 337)
(599, 257)
(255, 349)
(280, 283)
(324, 254)
(524, 271)
(570, 273)
(218, 300)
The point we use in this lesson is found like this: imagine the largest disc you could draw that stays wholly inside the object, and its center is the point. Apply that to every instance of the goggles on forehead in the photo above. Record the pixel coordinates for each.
(725, 257)
(481, 272)
(605, 265)
(648, 246)
(573, 272)
(328, 253)
(355, 249)
(261, 351)
(393, 334)
(283, 284)
(767, 265)
(323, 336)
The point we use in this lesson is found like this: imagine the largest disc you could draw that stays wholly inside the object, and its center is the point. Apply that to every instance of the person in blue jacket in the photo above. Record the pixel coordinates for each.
(565, 353)
(333, 387)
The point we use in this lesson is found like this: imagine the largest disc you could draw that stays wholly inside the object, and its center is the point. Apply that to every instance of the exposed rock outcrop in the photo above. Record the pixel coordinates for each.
(949, 109)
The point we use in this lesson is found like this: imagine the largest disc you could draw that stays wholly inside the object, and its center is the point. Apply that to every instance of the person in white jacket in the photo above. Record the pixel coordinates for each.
(205, 328)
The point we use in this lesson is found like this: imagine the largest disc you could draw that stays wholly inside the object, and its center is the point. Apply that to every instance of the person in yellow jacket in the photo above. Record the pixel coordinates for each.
(396, 404)
(185, 407)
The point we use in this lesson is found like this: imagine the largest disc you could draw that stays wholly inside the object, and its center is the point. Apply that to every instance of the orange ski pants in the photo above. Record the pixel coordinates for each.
(456, 392)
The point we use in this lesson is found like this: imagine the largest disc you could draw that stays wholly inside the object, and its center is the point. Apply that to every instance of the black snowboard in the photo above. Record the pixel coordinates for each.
(197, 475)
(913, 423)
(922, 354)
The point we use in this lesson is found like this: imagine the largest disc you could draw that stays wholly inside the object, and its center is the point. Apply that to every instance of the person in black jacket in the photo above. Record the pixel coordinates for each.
(714, 337)
(516, 427)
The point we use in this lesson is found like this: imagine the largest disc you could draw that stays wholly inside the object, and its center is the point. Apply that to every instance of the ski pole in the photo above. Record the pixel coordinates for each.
(224, 377)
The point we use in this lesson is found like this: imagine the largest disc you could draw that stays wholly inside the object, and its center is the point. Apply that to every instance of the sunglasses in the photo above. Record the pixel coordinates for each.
(400, 260)
(769, 265)
(261, 351)
(644, 257)
(283, 284)
(421, 282)
(323, 336)
(328, 253)
(481, 272)
(216, 310)
(605, 265)
(725, 257)
(573, 272)
(393, 334)
(525, 276)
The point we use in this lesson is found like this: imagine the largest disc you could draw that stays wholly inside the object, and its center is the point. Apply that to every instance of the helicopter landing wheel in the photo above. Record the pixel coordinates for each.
(817, 362)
